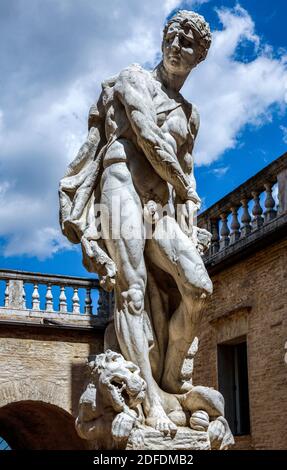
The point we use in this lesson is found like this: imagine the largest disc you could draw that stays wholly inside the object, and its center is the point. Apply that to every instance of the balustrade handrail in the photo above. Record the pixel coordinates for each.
(67, 281)
(247, 210)
(255, 184)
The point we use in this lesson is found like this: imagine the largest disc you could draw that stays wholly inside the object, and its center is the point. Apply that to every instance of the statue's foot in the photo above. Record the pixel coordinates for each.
(179, 417)
(158, 420)
(216, 431)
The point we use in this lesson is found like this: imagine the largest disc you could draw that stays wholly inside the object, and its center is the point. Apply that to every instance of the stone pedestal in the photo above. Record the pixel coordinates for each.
(147, 438)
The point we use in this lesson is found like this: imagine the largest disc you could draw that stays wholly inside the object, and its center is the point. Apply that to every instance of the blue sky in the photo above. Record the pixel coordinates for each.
(54, 56)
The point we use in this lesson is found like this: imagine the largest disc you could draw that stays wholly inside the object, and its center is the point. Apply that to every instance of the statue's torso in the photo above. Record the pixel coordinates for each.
(173, 116)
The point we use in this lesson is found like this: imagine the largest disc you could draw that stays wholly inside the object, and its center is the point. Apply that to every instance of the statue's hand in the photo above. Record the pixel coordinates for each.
(151, 212)
(187, 223)
(216, 432)
(203, 240)
(123, 424)
(194, 197)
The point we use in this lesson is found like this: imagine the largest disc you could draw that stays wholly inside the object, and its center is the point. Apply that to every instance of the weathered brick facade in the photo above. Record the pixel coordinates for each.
(250, 299)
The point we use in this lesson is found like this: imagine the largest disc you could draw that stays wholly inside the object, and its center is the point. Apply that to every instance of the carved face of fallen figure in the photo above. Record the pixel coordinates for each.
(119, 380)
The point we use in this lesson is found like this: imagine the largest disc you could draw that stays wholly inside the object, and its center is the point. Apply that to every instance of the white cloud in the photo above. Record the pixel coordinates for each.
(284, 131)
(54, 61)
(170, 5)
(220, 172)
(46, 96)
(45, 242)
(231, 93)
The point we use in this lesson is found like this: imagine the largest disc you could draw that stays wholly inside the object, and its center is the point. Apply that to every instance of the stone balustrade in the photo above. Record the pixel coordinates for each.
(249, 212)
(253, 212)
(51, 297)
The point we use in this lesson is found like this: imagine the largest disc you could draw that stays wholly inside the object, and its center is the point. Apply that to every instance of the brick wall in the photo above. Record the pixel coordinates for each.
(250, 299)
(44, 361)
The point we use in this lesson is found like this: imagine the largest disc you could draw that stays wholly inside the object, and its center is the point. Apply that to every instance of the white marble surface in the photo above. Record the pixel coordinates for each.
(136, 161)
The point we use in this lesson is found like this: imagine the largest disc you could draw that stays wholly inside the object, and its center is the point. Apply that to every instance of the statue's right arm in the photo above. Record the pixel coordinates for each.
(132, 89)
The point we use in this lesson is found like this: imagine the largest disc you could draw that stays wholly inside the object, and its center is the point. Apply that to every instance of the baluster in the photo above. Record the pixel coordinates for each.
(235, 225)
(245, 219)
(104, 305)
(6, 301)
(88, 302)
(215, 236)
(269, 213)
(63, 300)
(282, 191)
(15, 294)
(100, 306)
(49, 299)
(224, 233)
(76, 301)
(35, 298)
(24, 297)
(256, 211)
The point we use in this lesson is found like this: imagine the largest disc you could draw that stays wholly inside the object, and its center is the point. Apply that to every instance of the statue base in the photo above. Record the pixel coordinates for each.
(111, 413)
(147, 438)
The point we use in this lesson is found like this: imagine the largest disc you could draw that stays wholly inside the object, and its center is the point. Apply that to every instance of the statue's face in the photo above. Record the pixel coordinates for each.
(180, 49)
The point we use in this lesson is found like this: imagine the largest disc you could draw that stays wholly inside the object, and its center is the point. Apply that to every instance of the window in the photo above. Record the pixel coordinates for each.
(4, 445)
(233, 384)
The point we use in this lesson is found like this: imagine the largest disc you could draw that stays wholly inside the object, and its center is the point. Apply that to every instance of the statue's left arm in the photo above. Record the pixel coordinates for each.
(187, 160)
(188, 209)
(200, 236)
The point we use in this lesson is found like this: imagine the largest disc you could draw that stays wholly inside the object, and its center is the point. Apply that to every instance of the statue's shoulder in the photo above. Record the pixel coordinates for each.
(135, 69)
(109, 82)
(134, 74)
(194, 118)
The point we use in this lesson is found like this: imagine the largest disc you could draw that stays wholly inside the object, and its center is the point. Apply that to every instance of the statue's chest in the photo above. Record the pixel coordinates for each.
(172, 118)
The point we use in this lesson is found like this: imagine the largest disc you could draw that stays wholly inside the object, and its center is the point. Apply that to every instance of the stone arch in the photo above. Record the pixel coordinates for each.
(33, 417)
(25, 390)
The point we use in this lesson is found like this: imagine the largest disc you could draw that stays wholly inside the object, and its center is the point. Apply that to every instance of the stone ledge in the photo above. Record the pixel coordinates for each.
(147, 438)
(14, 317)
(257, 240)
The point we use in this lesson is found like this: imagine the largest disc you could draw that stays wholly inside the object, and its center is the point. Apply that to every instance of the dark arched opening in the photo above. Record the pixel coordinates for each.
(35, 425)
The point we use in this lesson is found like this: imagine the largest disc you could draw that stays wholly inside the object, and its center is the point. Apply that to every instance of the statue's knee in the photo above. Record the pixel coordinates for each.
(198, 281)
(134, 298)
(205, 289)
(203, 279)
(207, 286)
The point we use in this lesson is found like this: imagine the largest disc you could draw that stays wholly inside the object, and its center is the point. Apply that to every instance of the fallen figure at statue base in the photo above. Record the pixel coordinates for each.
(111, 416)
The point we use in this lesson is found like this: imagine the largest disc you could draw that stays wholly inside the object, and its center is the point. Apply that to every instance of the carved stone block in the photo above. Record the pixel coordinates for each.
(147, 438)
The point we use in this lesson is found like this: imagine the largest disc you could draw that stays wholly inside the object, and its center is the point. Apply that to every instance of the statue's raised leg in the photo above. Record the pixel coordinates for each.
(174, 252)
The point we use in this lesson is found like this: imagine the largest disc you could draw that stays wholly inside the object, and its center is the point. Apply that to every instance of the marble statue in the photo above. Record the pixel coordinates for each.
(130, 199)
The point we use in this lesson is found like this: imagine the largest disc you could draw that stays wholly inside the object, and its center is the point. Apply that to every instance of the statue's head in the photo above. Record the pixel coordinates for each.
(186, 40)
(118, 380)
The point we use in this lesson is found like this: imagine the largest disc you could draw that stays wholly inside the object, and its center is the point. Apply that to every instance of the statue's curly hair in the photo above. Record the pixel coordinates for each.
(198, 25)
